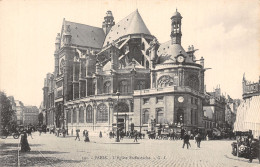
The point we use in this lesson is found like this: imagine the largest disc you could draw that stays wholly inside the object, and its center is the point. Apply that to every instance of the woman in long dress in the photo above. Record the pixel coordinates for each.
(24, 143)
(86, 137)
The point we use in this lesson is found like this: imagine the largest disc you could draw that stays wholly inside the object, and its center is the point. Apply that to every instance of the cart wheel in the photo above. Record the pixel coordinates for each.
(16, 136)
(3, 137)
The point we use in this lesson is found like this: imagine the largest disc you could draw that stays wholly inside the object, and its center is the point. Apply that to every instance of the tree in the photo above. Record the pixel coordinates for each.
(40, 118)
(6, 111)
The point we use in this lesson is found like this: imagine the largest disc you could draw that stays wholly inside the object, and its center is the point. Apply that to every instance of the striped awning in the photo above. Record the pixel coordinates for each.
(248, 116)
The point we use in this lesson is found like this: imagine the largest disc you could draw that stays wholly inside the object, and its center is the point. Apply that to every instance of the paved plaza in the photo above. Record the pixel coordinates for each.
(49, 150)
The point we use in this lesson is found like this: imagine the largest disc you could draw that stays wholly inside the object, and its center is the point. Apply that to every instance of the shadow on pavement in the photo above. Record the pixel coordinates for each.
(40, 161)
(43, 152)
(240, 159)
(8, 158)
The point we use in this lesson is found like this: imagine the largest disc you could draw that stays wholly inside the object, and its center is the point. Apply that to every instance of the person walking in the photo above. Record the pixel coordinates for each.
(198, 139)
(100, 134)
(30, 132)
(77, 135)
(186, 139)
(135, 134)
(24, 143)
(86, 137)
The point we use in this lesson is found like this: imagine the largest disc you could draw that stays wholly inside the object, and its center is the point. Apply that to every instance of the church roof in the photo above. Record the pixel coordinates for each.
(167, 53)
(85, 35)
(132, 24)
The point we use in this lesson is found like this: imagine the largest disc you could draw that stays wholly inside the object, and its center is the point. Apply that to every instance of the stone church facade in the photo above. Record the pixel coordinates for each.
(121, 71)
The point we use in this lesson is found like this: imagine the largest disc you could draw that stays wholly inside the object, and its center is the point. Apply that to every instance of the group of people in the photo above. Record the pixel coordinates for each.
(85, 135)
(186, 140)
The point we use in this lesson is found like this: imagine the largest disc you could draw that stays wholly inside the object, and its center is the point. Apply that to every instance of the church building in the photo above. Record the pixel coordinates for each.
(119, 74)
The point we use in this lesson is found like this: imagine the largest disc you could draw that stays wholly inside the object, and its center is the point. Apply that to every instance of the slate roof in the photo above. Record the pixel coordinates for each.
(132, 24)
(167, 53)
(85, 35)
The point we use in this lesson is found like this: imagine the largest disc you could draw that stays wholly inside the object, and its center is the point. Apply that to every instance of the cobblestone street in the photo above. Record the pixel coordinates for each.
(49, 150)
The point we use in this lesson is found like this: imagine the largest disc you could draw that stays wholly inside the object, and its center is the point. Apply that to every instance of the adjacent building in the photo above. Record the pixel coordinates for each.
(30, 115)
(47, 106)
(120, 74)
(248, 112)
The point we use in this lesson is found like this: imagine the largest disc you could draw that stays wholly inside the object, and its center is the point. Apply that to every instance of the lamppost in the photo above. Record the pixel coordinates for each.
(117, 132)
(110, 103)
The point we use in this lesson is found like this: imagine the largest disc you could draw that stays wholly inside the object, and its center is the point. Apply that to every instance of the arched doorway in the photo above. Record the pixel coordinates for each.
(122, 107)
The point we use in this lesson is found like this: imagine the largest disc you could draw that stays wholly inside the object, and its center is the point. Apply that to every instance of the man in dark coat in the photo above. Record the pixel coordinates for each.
(77, 135)
(198, 139)
(186, 139)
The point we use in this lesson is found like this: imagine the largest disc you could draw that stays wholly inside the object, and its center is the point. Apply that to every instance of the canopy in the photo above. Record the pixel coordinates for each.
(248, 116)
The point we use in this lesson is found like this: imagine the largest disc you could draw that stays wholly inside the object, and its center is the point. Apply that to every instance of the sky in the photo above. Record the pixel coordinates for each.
(226, 32)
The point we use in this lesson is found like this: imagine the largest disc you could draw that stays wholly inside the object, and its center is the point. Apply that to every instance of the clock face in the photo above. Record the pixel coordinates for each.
(180, 99)
(180, 59)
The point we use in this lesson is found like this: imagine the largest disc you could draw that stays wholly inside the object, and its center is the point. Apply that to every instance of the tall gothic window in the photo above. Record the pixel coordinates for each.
(62, 65)
(123, 86)
(180, 117)
(89, 114)
(107, 87)
(159, 116)
(140, 85)
(74, 115)
(121, 107)
(69, 116)
(102, 114)
(145, 116)
(193, 82)
(165, 81)
(81, 115)
(191, 116)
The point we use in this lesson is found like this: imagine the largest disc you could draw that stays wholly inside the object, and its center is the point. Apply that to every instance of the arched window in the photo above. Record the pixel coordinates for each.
(102, 114)
(145, 116)
(193, 82)
(140, 85)
(165, 81)
(191, 116)
(180, 117)
(81, 115)
(62, 65)
(159, 116)
(89, 114)
(107, 87)
(75, 115)
(147, 64)
(121, 107)
(69, 116)
(123, 86)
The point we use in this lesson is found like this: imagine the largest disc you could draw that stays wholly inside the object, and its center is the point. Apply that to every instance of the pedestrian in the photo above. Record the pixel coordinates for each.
(40, 132)
(77, 135)
(186, 139)
(30, 132)
(198, 139)
(100, 134)
(64, 132)
(110, 134)
(84, 133)
(136, 135)
(86, 137)
(24, 143)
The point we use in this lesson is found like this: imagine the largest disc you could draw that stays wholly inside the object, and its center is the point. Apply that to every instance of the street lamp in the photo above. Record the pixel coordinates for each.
(117, 132)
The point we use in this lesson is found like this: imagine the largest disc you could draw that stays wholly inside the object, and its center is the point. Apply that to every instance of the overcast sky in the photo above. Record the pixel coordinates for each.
(225, 32)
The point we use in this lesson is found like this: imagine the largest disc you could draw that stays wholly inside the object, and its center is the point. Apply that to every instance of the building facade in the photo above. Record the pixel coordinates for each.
(30, 115)
(250, 89)
(47, 106)
(214, 108)
(120, 74)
